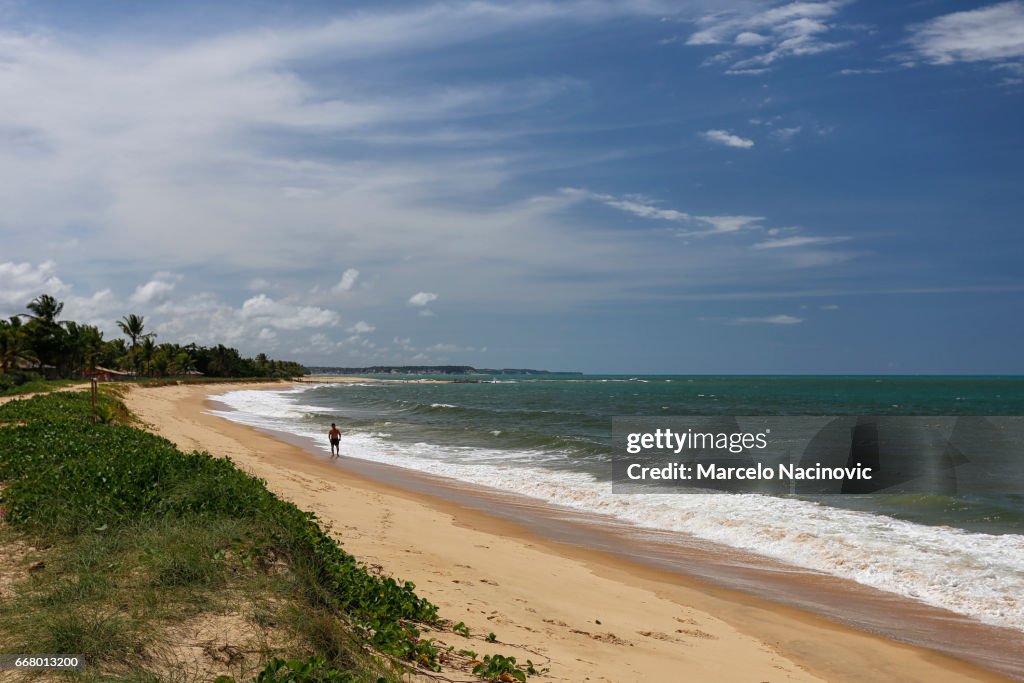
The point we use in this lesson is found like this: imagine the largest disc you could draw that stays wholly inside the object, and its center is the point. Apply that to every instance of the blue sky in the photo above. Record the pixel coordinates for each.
(635, 186)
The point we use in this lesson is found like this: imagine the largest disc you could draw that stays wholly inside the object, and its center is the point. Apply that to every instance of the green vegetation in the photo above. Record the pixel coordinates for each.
(156, 534)
(139, 539)
(501, 668)
(16, 382)
(38, 342)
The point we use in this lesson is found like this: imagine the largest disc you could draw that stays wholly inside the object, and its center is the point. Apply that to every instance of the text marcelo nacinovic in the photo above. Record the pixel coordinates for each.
(819, 454)
(668, 440)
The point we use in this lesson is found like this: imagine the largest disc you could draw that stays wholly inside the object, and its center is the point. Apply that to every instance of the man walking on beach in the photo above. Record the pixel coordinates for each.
(335, 436)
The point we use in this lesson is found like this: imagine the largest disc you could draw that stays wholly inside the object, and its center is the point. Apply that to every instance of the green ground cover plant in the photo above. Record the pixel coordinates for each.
(140, 535)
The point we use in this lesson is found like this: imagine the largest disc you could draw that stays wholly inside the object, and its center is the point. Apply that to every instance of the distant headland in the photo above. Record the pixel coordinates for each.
(428, 370)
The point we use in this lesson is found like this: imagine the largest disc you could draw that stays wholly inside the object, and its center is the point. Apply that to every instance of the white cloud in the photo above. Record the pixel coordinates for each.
(992, 33)
(452, 348)
(101, 308)
(829, 307)
(786, 133)
(362, 327)
(726, 138)
(200, 175)
(153, 292)
(780, 319)
(860, 72)
(196, 132)
(422, 298)
(639, 206)
(747, 72)
(266, 311)
(347, 282)
(648, 208)
(721, 224)
(791, 30)
(750, 38)
(634, 204)
(797, 241)
(22, 282)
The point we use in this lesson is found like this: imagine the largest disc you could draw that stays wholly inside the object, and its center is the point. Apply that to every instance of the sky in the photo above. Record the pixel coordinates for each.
(642, 186)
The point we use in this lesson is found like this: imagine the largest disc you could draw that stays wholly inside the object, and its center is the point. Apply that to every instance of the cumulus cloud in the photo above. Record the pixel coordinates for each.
(100, 308)
(276, 314)
(724, 137)
(22, 282)
(422, 298)
(154, 291)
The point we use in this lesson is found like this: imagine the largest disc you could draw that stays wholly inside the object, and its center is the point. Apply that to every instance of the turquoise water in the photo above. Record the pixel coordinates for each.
(569, 419)
(550, 438)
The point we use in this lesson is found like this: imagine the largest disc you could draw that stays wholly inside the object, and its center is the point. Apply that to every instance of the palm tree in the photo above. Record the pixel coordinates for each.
(147, 353)
(84, 344)
(45, 336)
(45, 309)
(134, 326)
(14, 345)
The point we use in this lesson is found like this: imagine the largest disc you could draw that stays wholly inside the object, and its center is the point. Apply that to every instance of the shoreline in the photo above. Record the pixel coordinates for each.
(595, 614)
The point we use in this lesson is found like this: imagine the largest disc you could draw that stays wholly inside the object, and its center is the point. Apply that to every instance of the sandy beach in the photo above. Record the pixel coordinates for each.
(584, 614)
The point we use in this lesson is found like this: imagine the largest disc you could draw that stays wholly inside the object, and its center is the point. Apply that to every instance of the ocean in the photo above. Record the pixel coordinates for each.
(549, 438)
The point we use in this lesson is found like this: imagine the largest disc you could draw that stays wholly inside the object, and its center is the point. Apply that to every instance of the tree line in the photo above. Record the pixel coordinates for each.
(40, 341)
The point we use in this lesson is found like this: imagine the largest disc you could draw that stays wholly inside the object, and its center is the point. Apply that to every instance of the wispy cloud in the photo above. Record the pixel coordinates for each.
(724, 137)
(752, 41)
(780, 319)
(786, 134)
(644, 207)
(347, 282)
(993, 33)
(797, 241)
(862, 72)
(724, 224)
(641, 206)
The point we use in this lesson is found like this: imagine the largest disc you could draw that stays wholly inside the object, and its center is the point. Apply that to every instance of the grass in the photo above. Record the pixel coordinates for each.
(142, 542)
(142, 538)
(38, 386)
